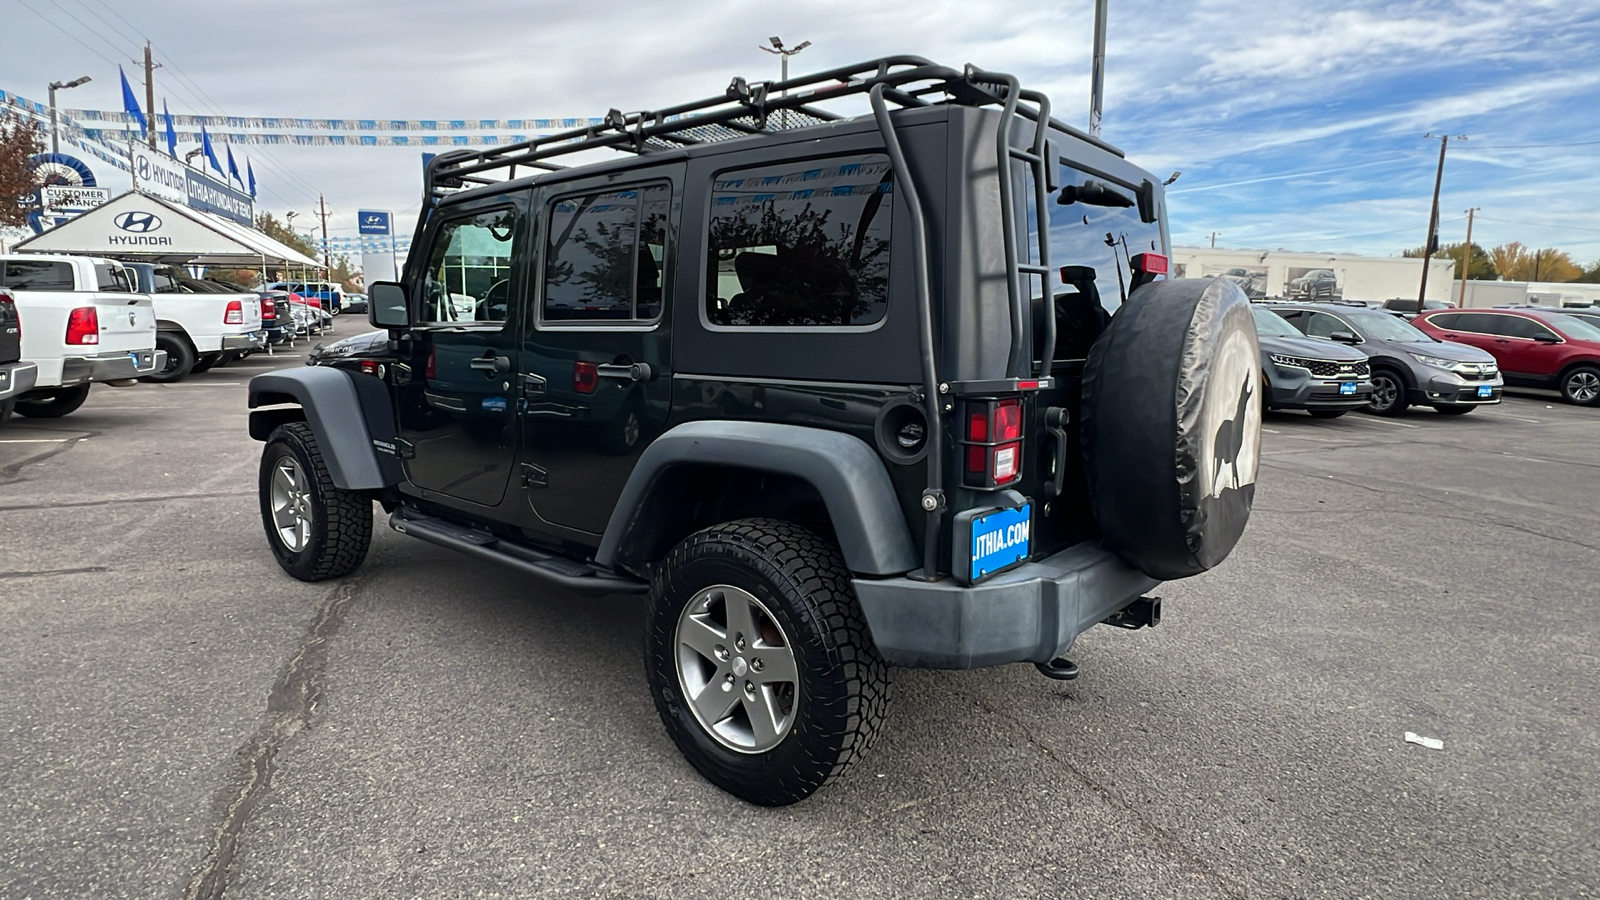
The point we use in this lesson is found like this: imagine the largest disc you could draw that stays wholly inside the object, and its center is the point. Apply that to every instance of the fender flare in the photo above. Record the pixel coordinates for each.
(351, 415)
(850, 477)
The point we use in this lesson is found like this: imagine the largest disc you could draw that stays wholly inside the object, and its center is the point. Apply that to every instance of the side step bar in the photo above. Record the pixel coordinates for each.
(570, 574)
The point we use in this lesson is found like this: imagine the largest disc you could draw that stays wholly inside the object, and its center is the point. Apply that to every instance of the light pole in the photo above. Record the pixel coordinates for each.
(55, 143)
(783, 53)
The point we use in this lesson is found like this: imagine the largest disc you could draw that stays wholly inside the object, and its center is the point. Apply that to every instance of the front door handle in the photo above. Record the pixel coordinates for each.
(491, 364)
(630, 372)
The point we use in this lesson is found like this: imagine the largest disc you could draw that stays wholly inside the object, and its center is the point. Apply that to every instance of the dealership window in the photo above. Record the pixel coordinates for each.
(802, 244)
(36, 275)
(606, 257)
(469, 270)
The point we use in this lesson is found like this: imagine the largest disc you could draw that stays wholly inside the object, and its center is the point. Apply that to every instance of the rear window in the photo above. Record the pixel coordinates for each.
(36, 275)
(802, 244)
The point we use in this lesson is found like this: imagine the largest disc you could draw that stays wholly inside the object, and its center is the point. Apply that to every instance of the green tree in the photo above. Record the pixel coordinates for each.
(1517, 262)
(1482, 267)
(20, 139)
(1590, 275)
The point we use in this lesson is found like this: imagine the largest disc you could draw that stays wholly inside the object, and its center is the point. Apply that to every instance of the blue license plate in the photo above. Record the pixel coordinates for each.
(1347, 387)
(1485, 390)
(1000, 540)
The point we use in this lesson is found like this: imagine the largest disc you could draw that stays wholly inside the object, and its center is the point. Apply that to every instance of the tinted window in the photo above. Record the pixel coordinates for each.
(1478, 323)
(1323, 325)
(1518, 327)
(1579, 328)
(605, 256)
(469, 270)
(37, 275)
(111, 278)
(801, 244)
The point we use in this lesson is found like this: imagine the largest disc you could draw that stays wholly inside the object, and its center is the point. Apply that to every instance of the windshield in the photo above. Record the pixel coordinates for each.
(1576, 328)
(1272, 324)
(1384, 327)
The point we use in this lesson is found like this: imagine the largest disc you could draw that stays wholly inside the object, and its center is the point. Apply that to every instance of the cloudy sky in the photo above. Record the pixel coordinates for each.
(1297, 125)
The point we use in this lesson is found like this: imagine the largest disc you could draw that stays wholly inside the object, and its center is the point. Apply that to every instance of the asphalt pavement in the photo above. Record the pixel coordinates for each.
(184, 720)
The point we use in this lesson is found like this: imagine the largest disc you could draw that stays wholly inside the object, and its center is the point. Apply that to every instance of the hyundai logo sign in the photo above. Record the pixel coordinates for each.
(138, 222)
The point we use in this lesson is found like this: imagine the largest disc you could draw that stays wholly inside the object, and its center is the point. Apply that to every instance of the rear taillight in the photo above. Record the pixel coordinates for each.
(314, 301)
(585, 377)
(430, 371)
(83, 326)
(6, 300)
(993, 442)
(1150, 263)
(369, 367)
(235, 313)
(269, 311)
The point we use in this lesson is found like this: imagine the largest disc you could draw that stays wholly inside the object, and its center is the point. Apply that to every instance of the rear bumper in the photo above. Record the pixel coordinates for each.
(255, 340)
(111, 366)
(1030, 614)
(17, 378)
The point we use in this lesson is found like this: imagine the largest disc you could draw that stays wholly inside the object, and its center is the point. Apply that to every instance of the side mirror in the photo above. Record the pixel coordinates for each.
(1344, 337)
(1547, 339)
(387, 306)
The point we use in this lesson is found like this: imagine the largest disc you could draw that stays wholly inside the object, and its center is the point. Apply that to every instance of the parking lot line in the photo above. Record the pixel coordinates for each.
(1384, 422)
(40, 440)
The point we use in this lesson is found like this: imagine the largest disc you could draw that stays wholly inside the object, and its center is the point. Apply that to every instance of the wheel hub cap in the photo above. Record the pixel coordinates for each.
(1584, 387)
(291, 504)
(737, 669)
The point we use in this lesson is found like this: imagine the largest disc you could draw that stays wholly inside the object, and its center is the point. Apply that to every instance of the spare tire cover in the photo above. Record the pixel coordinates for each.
(1172, 425)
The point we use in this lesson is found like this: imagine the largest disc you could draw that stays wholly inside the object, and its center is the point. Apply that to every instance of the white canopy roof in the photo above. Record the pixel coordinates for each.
(143, 227)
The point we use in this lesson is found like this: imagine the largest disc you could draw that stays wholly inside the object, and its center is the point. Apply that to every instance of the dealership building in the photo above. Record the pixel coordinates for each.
(1281, 274)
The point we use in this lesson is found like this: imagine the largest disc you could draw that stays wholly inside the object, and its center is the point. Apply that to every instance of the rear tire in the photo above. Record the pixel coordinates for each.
(1327, 413)
(1454, 410)
(6, 408)
(52, 403)
(316, 531)
(1581, 386)
(180, 359)
(721, 692)
(205, 362)
(1388, 394)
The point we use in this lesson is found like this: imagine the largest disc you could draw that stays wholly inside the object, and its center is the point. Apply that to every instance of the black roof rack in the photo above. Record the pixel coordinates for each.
(744, 109)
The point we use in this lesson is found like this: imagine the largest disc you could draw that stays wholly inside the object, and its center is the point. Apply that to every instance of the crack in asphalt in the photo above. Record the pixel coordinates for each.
(291, 707)
(10, 474)
(215, 495)
(47, 572)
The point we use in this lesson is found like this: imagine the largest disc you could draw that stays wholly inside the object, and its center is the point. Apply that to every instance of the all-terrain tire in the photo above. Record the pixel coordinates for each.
(1581, 386)
(180, 358)
(52, 403)
(842, 684)
(338, 523)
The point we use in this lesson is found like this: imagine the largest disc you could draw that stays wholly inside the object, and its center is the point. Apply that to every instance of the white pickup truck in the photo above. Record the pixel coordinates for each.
(198, 323)
(82, 323)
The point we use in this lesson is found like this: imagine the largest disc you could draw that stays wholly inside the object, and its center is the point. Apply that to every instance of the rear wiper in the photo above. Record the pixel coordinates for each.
(1093, 193)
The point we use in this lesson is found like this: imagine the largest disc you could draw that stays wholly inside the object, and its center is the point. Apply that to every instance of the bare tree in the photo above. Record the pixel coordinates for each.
(20, 139)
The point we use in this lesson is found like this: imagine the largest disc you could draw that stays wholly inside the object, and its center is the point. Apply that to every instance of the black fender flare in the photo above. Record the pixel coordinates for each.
(866, 513)
(351, 415)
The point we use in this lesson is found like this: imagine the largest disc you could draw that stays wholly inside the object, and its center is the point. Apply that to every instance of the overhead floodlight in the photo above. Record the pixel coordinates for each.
(776, 41)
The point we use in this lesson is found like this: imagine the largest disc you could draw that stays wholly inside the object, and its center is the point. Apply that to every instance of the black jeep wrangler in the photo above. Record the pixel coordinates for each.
(836, 393)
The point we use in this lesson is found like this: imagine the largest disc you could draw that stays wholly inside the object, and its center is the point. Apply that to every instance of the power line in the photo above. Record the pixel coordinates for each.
(68, 12)
(1541, 224)
(69, 34)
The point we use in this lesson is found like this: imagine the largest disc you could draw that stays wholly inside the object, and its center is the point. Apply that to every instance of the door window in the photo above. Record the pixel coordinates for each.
(1323, 325)
(802, 244)
(606, 256)
(1519, 327)
(469, 271)
(1477, 323)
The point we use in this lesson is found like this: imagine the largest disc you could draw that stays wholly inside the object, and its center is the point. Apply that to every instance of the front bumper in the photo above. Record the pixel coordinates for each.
(255, 340)
(1450, 389)
(111, 366)
(1296, 388)
(1032, 613)
(17, 378)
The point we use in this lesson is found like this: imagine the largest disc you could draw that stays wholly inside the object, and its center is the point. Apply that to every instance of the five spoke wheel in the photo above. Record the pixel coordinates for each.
(291, 504)
(737, 669)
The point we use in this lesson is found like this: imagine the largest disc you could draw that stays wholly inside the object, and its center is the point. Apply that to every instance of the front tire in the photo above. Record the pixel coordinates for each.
(1388, 394)
(316, 531)
(52, 403)
(760, 661)
(1581, 386)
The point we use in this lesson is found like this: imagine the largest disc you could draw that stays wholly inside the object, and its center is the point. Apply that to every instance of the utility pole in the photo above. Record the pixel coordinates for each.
(322, 213)
(1433, 220)
(1213, 240)
(1536, 255)
(150, 94)
(1466, 259)
(1097, 77)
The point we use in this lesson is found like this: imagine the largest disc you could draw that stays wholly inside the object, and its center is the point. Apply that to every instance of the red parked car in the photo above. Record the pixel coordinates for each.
(1535, 348)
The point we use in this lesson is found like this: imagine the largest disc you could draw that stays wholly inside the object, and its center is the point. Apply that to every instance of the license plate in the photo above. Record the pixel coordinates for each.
(999, 540)
(1485, 390)
(1347, 387)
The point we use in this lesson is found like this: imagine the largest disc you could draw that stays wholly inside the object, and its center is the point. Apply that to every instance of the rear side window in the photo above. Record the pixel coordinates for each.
(606, 256)
(1477, 323)
(1450, 320)
(111, 278)
(1519, 327)
(36, 275)
(801, 244)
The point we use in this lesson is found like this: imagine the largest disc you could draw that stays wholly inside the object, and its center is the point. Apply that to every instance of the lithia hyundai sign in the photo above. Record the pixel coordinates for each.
(138, 229)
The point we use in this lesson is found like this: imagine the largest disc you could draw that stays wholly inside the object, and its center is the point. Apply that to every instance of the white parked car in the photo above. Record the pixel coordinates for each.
(82, 323)
(198, 323)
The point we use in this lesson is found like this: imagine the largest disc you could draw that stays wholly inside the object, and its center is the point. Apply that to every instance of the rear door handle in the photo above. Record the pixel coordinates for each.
(491, 364)
(1055, 421)
(629, 372)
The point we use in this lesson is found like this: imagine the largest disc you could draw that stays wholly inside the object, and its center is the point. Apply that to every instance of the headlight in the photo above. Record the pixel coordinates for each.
(1293, 362)
(1438, 363)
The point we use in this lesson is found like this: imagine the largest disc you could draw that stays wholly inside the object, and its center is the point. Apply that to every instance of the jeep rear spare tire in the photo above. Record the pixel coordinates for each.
(1172, 425)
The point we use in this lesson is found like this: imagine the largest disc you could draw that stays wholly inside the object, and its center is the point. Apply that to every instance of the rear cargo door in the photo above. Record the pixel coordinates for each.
(127, 320)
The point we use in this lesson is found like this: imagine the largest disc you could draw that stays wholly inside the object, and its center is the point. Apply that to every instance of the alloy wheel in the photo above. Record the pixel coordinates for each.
(1583, 387)
(291, 505)
(1385, 393)
(737, 669)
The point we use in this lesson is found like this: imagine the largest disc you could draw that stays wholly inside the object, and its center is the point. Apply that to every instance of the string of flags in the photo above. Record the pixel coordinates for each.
(131, 109)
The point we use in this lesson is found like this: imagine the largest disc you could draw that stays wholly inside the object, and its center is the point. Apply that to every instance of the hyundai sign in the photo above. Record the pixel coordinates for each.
(372, 222)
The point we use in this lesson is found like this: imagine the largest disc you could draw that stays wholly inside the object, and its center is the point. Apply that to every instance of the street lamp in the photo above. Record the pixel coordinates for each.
(783, 53)
(191, 155)
(55, 143)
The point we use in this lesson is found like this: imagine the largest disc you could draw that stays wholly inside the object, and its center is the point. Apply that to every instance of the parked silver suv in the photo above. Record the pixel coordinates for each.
(1408, 366)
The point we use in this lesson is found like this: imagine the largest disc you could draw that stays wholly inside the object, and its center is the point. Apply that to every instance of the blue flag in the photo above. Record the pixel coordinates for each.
(130, 105)
(233, 167)
(251, 170)
(172, 136)
(210, 154)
